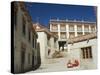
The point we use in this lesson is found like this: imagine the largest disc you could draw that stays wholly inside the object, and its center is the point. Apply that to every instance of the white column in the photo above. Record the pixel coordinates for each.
(68, 46)
(89, 28)
(59, 30)
(75, 29)
(50, 27)
(67, 30)
(68, 49)
(95, 29)
(83, 29)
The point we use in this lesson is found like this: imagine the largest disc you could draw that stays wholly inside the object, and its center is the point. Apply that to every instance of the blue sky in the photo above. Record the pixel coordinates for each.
(42, 12)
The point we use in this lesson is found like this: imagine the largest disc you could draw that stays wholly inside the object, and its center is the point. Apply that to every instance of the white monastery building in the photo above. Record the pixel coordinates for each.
(66, 29)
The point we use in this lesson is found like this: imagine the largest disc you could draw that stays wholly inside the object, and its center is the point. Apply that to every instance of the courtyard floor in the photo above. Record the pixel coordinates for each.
(56, 64)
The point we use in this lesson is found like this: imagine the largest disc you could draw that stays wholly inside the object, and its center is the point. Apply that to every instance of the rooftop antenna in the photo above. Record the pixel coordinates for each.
(82, 20)
(74, 20)
(57, 19)
(66, 19)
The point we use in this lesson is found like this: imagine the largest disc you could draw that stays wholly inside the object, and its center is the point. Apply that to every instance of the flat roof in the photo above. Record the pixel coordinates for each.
(71, 21)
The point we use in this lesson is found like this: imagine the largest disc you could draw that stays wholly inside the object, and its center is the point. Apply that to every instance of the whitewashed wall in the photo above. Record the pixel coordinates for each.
(75, 52)
(42, 39)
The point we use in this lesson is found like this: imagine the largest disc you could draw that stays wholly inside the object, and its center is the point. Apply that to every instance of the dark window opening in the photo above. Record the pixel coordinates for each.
(24, 27)
(29, 35)
(33, 41)
(86, 52)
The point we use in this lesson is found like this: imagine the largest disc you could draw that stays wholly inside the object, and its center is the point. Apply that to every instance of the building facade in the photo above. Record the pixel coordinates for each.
(66, 29)
(25, 40)
(48, 42)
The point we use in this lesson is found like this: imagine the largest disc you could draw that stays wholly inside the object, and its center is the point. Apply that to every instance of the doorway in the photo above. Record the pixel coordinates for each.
(62, 45)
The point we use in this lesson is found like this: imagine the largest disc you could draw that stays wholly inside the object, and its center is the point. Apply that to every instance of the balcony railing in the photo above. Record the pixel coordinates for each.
(62, 29)
(86, 30)
(71, 30)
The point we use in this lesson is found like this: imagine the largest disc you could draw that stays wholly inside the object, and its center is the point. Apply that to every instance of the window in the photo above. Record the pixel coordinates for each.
(71, 27)
(86, 52)
(54, 27)
(79, 28)
(29, 58)
(29, 34)
(63, 27)
(86, 28)
(71, 34)
(33, 41)
(24, 27)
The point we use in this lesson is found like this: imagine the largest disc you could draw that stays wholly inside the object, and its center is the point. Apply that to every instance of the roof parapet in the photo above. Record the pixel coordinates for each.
(67, 20)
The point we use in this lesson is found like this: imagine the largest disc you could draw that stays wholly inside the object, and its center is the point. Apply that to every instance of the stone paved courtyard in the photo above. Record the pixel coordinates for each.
(56, 64)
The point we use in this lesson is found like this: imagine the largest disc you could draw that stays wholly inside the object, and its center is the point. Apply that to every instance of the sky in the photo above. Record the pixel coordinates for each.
(42, 12)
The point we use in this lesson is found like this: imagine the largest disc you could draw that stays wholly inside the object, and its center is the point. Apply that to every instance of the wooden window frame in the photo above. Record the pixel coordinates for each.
(87, 53)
